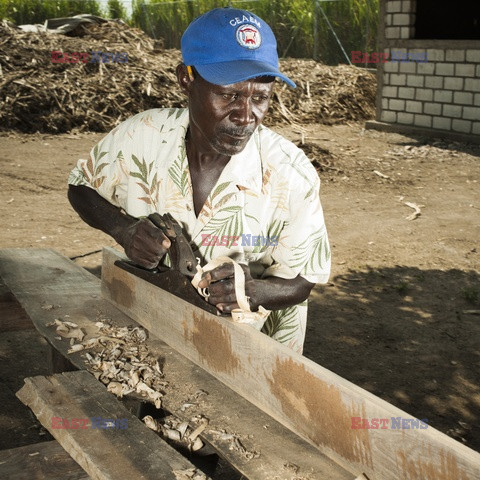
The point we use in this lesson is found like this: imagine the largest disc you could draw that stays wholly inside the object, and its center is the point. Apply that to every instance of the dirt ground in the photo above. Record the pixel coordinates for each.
(398, 317)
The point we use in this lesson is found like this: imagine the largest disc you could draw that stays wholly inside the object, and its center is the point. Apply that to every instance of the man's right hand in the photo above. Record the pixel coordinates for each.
(144, 243)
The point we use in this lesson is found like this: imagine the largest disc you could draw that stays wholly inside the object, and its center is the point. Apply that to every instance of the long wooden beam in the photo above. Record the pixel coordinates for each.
(82, 405)
(315, 403)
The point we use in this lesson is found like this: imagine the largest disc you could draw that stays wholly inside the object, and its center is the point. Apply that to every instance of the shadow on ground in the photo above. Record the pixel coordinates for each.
(409, 336)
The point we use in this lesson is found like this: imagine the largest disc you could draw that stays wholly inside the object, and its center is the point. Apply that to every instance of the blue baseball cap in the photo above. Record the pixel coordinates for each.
(227, 45)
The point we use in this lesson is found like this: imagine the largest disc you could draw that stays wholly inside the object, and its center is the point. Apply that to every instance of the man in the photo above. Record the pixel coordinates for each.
(237, 188)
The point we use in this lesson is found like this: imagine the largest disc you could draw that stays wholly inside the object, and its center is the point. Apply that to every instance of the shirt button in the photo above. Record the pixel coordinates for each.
(189, 208)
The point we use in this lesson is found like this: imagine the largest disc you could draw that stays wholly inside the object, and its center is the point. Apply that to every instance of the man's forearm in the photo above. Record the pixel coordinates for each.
(276, 293)
(99, 213)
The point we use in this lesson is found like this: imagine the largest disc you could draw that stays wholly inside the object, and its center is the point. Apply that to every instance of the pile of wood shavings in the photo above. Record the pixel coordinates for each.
(119, 358)
(178, 431)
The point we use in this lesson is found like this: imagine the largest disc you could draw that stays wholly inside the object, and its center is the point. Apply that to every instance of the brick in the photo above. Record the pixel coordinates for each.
(455, 55)
(408, 93)
(398, 79)
(426, 68)
(472, 85)
(443, 96)
(435, 55)
(414, 107)
(442, 123)
(463, 126)
(406, 32)
(471, 113)
(384, 103)
(453, 83)
(473, 56)
(476, 128)
(476, 100)
(407, 6)
(423, 121)
(401, 19)
(463, 98)
(452, 111)
(465, 70)
(444, 69)
(392, 32)
(389, 21)
(424, 94)
(478, 70)
(398, 105)
(391, 67)
(390, 92)
(432, 108)
(405, 118)
(394, 6)
(389, 117)
(433, 82)
(407, 67)
(415, 80)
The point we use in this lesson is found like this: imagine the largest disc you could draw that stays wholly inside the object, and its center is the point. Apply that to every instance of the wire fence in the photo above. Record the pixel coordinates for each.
(325, 30)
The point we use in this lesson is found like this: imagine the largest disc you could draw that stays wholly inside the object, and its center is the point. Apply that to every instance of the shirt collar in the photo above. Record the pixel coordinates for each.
(244, 169)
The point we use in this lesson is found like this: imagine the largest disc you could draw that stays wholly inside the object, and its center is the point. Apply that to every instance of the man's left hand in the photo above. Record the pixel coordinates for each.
(221, 286)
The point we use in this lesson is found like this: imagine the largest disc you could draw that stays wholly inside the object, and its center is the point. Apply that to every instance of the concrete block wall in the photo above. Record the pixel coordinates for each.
(442, 93)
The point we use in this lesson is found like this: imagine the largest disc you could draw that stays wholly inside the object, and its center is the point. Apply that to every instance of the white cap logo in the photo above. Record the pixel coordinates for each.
(248, 36)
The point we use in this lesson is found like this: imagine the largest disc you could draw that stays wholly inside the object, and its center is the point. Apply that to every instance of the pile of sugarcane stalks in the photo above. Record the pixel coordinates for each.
(108, 72)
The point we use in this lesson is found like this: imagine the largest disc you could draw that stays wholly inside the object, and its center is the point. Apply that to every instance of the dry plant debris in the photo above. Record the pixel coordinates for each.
(38, 95)
(119, 358)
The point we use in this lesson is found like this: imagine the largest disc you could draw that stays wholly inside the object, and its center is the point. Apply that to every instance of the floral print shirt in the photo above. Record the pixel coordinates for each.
(264, 211)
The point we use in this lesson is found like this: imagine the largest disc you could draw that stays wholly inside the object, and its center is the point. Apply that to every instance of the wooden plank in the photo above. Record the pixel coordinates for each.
(113, 453)
(12, 315)
(42, 461)
(310, 400)
(282, 453)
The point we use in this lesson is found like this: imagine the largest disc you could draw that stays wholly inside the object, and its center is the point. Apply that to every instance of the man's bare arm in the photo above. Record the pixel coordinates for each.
(144, 243)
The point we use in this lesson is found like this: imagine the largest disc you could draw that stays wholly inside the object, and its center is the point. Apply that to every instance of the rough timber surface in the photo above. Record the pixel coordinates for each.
(50, 286)
(41, 461)
(310, 400)
(105, 454)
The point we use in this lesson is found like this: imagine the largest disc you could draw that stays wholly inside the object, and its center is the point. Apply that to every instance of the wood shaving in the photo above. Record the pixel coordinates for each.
(417, 211)
(190, 474)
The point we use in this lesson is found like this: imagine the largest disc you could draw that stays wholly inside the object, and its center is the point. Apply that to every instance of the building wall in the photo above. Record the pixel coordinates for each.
(442, 93)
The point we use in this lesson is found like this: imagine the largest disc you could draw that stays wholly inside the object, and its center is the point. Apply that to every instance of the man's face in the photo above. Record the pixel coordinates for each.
(223, 117)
